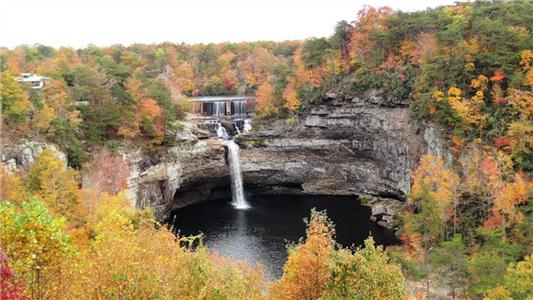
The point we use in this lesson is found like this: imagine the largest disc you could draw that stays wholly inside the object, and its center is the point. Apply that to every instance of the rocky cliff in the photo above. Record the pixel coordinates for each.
(20, 155)
(362, 146)
(169, 178)
(346, 147)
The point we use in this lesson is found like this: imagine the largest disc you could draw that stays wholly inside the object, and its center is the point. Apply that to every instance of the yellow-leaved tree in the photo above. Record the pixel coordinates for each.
(56, 184)
(365, 274)
(265, 102)
(441, 184)
(15, 103)
(308, 267)
(12, 187)
(40, 253)
(292, 102)
(132, 257)
(315, 269)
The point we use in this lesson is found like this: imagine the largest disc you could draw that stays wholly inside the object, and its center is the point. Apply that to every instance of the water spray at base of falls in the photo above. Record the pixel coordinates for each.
(237, 187)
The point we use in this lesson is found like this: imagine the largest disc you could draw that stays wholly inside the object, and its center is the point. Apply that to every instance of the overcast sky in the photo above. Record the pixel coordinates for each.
(78, 23)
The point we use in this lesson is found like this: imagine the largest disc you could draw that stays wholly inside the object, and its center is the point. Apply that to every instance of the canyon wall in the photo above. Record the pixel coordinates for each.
(364, 146)
(165, 179)
(345, 149)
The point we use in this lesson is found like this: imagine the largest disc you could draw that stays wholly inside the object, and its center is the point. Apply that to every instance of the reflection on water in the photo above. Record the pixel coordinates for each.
(260, 234)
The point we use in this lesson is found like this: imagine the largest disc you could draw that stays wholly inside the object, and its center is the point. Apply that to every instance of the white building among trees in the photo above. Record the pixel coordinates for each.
(35, 81)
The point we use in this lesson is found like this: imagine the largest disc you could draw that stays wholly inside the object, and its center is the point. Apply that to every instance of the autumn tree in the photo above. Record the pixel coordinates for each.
(55, 183)
(468, 110)
(307, 270)
(292, 102)
(368, 21)
(131, 258)
(12, 186)
(152, 121)
(435, 203)
(38, 250)
(185, 77)
(15, 103)
(366, 273)
(111, 179)
(14, 60)
(9, 290)
(256, 67)
(441, 184)
(518, 282)
(520, 129)
(265, 107)
(504, 209)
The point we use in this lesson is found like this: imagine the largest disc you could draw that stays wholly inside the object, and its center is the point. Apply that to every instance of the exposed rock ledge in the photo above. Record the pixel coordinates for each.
(170, 178)
(20, 155)
(362, 146)
(353, 148)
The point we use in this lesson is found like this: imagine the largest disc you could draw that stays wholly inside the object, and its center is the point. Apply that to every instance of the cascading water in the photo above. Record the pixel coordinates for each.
(219, 108)
(237, 188)
(221, 132)
(247, 125)
(239, 108)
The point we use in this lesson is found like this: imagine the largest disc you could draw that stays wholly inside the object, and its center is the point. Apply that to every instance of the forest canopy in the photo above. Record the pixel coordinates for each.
(467, 223)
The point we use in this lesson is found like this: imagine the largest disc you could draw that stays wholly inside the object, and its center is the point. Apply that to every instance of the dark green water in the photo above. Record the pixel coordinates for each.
(260, 234)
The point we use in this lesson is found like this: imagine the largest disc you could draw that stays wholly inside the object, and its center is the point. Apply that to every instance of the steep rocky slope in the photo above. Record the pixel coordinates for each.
(364, 146)
(344, 149)
(169, 178)
(361, 146)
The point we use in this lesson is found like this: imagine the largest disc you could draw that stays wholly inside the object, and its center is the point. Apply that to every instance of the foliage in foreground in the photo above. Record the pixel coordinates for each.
(316, 269)
(98, 247)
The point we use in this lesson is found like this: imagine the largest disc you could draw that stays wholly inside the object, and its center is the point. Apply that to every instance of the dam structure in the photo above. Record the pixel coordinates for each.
(215, 107)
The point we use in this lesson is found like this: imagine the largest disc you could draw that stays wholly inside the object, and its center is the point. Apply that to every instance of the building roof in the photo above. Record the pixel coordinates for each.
(221, 98)
(29, 77)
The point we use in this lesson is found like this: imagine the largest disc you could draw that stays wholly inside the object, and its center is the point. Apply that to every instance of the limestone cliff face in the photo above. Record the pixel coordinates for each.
(350, 147)
(170, 178)
(20, 155)
(363, 146)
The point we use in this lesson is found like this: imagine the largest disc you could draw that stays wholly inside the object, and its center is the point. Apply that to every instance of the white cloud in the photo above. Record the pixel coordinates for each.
(104, 22)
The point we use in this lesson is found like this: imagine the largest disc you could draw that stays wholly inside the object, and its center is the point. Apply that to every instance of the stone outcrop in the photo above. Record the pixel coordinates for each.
(169, 178)
(366, 146)
(362, 146)
(352, 147)
(19, 156)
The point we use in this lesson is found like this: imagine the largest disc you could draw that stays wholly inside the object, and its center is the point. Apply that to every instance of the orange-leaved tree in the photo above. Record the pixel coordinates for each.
(307, 269)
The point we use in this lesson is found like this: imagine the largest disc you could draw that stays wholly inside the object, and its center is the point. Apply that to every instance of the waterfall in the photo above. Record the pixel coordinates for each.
(247, 125)
(237, 188)
(219, 108)
(239, 108)
(221, 132)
